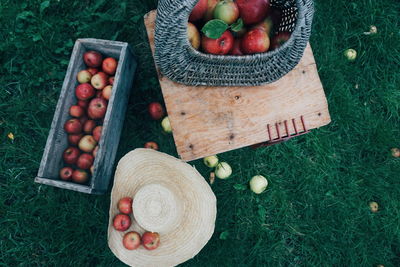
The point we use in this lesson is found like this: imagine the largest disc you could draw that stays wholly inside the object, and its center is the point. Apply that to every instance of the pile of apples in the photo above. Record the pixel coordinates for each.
(85, 127)
(240, 27)
(132, 240)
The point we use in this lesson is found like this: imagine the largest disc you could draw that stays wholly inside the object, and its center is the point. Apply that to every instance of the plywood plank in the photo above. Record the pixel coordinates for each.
(211, 120)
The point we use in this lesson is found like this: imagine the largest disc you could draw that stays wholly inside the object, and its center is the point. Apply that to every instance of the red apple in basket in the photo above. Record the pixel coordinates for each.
(150, 240)
(73, 126)
(198, 11)
(131, 240)
(99, 80)
(84, 91)
(156, 111)
(210, 9)
(76, 111)
(97, 133)
(84, 76)
(109, 65)
(97, 108)
(89, 126)
(265, 25)
(92, 59)
(80, 176)
(125, 205)
(193, 36)
(83, 103)
(84, 161)
(111, 80)
(151, 145)
(279, 40)
(122, 222)
(106, 93)
(253, 11)
(220, 46)
(236, 50)
(255, 41)
(71, 155)
(226, 10)
(87, 143)
(66, 173)
(74, 139)
(92, 71)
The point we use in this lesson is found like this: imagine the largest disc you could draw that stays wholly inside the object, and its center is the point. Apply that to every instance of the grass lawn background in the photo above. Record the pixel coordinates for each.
(315, 211)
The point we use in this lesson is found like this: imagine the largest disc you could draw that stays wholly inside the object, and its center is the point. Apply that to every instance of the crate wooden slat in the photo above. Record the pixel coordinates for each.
(57, 140)
(211, 120)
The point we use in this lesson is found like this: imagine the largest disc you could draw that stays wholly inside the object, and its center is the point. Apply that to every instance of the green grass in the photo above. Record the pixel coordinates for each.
(315, 211)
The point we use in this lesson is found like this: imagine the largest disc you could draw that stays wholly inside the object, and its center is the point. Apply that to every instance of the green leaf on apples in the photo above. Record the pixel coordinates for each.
(214, 28)
(224, 235)
(237, 26)
(240, 187)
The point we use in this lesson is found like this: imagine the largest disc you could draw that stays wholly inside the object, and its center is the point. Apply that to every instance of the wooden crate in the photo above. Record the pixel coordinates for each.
(57, 141)
(210, 120)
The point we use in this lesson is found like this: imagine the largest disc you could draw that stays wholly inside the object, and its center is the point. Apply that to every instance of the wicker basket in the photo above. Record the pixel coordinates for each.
(180, 62)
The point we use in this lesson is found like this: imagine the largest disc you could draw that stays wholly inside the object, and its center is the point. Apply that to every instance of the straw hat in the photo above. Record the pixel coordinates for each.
(169, 197)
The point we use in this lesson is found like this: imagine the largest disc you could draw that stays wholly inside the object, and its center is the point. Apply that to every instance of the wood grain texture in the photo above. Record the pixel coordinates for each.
(211, 120)
(57, 142)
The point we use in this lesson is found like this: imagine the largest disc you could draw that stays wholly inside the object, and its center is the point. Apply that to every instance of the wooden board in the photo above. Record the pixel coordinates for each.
(57, 142)
(211, 120)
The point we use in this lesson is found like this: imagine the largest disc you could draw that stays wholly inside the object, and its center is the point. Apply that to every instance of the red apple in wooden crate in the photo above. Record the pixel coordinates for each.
(109, 65)
(74, 139)
(99, 80)
(85, 161)
(66, 173)
(71, 155)
(84, 91)
(97, 108)
(80, 176)
(73, 126)
(87, 143)
(92, 59)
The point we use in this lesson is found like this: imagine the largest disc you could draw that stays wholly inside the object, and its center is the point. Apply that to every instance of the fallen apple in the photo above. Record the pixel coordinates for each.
(66, 173)
(373, 206)
(121, 222)
(84, 91)
(84, 76)
(150, 240)
(166, 125)
(155, 110)
(131, 240)
(350, 54)
(80, 176)
(220, 46)
(87, 143)
(211, 161)
(125, 205)
(151, 145)
(109, 65)
(84, 161)
(258, 184)
(193, 36)
(395, 152)
(92, 59)
(73, 126)
(223, 170)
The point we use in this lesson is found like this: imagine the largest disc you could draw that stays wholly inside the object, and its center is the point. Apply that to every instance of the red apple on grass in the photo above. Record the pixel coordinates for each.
(97, 133)
(80, 176)
(109, 65)
(111, 80)
(125, 205)
(255, 41)
(236, 50)
(71, 155)
(220, 46)
(97, 108)
(198, 11)
(193, 36)
(150, 240)
(92, 71)
(210, 9)
(279, 39)
(99, 80)
(87, 143)
(73, 126)
(83, 103)
(84, 161)
(131, 240)
(106, 92)
(226, 10)
(156, 111)
(92, 59)
(253, 11)
(76, 111)
(121, 222)
(151, 145)
(66, 173)
(89, 126)
(84, 76)
(84, 91)
(74, 139)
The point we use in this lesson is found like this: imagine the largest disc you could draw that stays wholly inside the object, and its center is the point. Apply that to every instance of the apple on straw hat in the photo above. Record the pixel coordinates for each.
(169, 197)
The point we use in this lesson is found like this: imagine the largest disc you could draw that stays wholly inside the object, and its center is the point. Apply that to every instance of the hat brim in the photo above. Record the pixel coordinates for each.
(141, 167)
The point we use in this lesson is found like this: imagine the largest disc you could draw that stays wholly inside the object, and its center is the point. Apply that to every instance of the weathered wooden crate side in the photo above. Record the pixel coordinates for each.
(57, 140)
